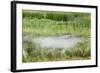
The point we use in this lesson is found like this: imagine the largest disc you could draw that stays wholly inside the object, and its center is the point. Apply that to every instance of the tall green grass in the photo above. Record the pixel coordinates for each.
(48, 27)
(55, 23)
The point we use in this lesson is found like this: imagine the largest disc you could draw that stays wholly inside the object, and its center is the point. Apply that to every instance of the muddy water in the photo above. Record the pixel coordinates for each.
(66, 41)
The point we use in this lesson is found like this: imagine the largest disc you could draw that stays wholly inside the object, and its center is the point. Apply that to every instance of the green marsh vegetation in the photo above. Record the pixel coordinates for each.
(50, 23)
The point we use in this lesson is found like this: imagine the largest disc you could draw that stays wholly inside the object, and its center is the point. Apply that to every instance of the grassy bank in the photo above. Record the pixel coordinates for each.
(56, 23)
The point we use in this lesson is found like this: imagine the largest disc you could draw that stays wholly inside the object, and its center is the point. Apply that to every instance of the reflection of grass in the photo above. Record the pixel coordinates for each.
(80, 52)
(45, 23)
